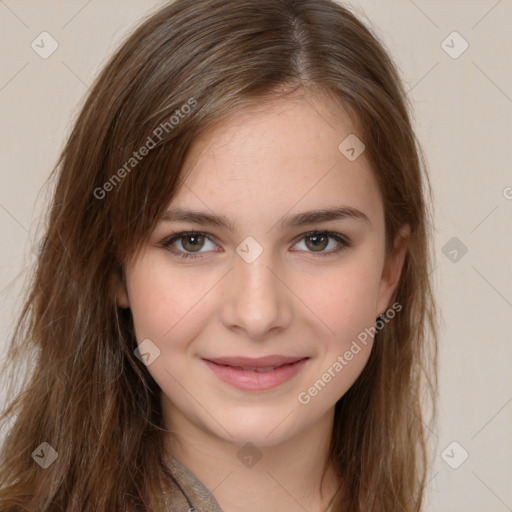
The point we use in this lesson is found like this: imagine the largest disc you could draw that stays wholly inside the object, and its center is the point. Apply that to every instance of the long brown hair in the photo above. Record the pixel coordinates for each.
(86, 393)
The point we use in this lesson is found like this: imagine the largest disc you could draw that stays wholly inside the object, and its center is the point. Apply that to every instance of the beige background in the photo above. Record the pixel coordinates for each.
(463, 110)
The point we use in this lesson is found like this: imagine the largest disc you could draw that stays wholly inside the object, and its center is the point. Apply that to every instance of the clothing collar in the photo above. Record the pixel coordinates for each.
(188, 494)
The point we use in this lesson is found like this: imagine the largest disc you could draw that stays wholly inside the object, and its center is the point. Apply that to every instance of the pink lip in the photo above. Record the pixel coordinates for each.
(239, 372)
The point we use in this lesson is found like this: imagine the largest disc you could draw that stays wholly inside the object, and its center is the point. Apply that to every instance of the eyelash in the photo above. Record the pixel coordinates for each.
(344, 243)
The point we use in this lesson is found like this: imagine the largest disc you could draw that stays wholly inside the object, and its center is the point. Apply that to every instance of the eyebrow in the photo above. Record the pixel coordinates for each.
(301, 219)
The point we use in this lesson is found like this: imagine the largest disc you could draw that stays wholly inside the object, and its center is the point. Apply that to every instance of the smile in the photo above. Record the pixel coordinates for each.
(256, 374)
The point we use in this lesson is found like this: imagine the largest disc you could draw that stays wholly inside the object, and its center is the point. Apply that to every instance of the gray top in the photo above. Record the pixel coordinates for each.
(189, 494)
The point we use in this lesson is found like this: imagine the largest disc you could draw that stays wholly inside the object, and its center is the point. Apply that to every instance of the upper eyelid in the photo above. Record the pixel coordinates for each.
(177, 236)
(332, 234)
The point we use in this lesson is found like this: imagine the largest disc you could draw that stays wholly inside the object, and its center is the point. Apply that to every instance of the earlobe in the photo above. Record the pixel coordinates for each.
(393, 269)
(119, 291)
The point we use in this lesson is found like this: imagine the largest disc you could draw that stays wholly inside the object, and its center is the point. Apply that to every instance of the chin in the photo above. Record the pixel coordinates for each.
(259, 428)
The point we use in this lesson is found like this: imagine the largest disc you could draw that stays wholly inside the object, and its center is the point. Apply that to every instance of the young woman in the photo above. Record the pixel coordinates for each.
(231, 309)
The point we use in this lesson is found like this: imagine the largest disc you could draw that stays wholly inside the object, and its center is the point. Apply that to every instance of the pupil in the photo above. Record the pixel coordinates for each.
(195, 244)
(318, 241)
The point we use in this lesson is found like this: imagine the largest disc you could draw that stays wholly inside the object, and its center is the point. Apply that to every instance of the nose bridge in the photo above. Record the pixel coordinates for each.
(255, 300)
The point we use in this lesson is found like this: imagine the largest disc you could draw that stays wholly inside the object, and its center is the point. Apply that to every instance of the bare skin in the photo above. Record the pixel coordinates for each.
(299, 297)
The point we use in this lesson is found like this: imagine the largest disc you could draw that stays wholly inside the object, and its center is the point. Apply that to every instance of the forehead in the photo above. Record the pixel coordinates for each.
(282, 156)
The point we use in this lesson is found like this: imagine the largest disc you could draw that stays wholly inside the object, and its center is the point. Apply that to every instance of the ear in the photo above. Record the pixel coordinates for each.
(118, 290)
(392, 270)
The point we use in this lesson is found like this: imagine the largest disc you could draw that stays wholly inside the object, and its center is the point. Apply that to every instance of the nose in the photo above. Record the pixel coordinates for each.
(255, 301)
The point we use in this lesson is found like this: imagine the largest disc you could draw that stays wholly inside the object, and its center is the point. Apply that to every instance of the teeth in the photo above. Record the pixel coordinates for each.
(253, 369)
(256, 368)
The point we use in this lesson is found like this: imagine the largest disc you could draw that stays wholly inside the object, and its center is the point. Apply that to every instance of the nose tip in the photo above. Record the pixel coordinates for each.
(255, 301)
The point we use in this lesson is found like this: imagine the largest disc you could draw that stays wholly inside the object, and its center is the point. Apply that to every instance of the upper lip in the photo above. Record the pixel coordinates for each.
(258, 362)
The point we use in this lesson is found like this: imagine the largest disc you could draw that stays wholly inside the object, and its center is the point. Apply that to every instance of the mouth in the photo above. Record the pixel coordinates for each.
(256, 374)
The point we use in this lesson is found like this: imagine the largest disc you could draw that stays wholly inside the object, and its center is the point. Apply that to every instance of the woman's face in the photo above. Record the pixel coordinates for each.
(259, 319)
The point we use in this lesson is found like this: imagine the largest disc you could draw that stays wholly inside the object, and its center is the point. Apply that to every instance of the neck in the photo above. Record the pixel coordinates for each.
(286, 476)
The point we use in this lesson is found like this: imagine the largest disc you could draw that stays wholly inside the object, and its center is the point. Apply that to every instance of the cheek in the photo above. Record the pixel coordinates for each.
(163, 300)
(168, 308)
(169, 303)
(346, 304)
(345, 298)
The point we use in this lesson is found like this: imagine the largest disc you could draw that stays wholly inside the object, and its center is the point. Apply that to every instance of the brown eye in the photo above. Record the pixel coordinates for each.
(317, 242)
(192, 243)
(189, 244)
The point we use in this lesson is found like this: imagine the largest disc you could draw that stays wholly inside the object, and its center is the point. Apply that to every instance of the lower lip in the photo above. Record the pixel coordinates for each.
(249, 380)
